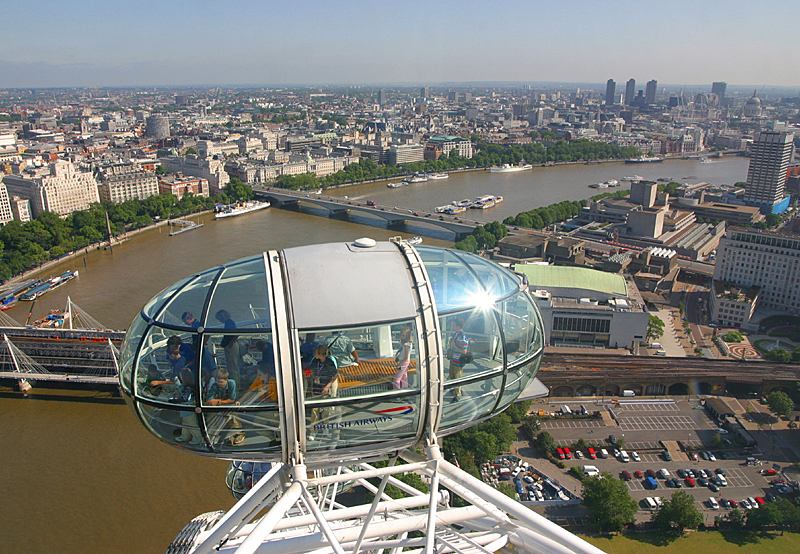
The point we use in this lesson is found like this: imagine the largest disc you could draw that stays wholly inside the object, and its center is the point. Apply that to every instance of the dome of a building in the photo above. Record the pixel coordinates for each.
(415, 343)
(752, 107)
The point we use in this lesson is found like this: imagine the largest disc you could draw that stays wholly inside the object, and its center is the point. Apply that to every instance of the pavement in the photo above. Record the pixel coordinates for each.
(669, 339)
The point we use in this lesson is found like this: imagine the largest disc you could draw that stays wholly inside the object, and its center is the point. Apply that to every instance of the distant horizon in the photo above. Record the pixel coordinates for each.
(95, 43)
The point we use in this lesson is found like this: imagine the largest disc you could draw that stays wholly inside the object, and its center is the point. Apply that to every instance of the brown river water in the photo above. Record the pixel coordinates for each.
(84, 476)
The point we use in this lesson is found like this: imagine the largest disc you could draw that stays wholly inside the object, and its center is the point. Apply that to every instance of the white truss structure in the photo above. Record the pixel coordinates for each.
(303, 515)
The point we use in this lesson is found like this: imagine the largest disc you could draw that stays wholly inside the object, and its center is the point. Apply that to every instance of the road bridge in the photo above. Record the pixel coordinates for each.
(394, 217)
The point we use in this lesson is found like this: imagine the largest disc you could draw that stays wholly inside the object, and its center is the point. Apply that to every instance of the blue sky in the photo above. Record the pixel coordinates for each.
(181, 42)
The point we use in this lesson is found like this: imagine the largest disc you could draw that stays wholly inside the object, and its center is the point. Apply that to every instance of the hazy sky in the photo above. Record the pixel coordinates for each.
(177, 42)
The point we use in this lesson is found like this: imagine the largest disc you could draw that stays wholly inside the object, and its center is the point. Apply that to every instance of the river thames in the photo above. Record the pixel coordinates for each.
(85, 476)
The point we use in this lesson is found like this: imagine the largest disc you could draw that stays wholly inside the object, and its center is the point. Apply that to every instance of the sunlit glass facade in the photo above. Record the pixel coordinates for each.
(326, 352)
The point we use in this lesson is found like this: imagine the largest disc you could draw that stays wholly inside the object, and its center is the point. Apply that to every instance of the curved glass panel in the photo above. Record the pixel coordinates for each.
(155, 303)
(128, 351)
(237, 431)
(469, 402)
(496, 280)
(240, 298)
(175, 426)
(472, 344)
(247, 365)
(517, 379)
(361, 422)
(454, 286)
(185, 309)
(166, 370)
(242, 476)
(520, 324)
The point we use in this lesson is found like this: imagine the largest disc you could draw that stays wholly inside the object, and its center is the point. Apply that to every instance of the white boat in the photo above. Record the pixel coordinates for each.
(415, 240)
(612, 183)
(437, 176)
(498, 199)
(418, 178)
(466, 203)
(442, 209)
(644, 160)
(484, 202)
(508, 168)
(241, 208)
(633, 178)
(455, 210)
(396, 185)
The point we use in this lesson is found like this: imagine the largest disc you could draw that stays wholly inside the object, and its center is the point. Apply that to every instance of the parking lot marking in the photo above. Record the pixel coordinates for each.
(658, 423)
(571, 423)
(650, 407)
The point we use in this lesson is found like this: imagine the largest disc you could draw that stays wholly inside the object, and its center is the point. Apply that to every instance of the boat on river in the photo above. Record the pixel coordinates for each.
(633, 178)
(438, 176)
(508, 168)
(47, 286)
(240, 208)
(484, 202)
(644, 160)
(396, 185)
(418, 178)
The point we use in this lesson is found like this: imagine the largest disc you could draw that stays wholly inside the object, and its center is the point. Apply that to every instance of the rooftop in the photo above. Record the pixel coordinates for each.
(551, 276)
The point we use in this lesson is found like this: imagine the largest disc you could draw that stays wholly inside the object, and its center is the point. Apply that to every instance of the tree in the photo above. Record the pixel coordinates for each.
(518, 411)
(678, 513)
(609, 503)
(780, 403)
(544, 442)
(530, 426)
(655, 327)
(736, 518)
(767, 515)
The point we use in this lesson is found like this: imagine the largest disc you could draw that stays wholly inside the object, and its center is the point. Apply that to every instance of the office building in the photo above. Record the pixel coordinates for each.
(719, 88)
(650, 92)
(180, 185)
(123, 182)
(21, 208)
(644, 193)
(424, 93)
(381, 97)
(6, 214)
(766, 261)
(406, 153)
(611, 90)
(157, 127)
(60, 188)
(438, 146)
(210, 169)
(630, 92)
(771, 153)
(586, 307)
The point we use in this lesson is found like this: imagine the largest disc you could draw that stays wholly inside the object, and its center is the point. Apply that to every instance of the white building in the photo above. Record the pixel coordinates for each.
(210, 169)
(123, 182)
(767, 261)
(6, 214)
(60, 188)
(766, 176)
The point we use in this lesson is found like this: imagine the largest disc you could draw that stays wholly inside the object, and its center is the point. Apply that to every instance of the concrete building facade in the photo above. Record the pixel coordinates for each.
(60, 188)
(6, 214)
(766, 177)
(210, 169)
(180, 185)
(123, 182)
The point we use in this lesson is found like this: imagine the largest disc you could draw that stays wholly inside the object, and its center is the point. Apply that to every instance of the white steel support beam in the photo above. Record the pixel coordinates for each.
(254, 540)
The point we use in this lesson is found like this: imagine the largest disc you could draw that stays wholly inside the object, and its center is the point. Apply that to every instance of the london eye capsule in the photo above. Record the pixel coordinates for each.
(331, 352)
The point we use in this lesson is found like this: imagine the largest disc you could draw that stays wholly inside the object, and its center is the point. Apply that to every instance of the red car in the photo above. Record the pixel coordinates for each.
(567, 453)
(689, 481)
(760, 500)
(625, 476)
(770, 471)
(733, 503)
(592, 453)
(560, 453)
(638, 474)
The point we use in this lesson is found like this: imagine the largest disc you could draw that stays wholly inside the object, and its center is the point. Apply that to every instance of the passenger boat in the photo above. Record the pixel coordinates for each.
(605, 184)
(49, 285)
(466, 203)
(396, 185)
(455, 210)
(484, 202)
(240, 208)
(644, 160)
(418, 178)
(438, 176)
(442, 209)
(508, 168)
(10, 296)
(633, 178)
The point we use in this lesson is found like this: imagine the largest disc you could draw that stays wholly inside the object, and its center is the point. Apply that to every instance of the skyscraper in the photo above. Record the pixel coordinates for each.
(424, 92)
(766, 176)
(611, 87)
(381, 97)
(650, 92)
(630, 91)
(719, 88)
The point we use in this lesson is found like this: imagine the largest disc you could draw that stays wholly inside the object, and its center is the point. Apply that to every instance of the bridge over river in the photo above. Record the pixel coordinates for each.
(394, 217)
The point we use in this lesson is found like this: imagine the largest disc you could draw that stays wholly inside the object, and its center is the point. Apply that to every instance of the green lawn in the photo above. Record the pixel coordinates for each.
(695, 543)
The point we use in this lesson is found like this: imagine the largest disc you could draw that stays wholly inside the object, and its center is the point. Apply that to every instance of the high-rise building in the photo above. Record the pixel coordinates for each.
(611, 89)
(630, 91)
(755, 268)
(157, 127)
(766, 177)
(650, 92)
(6, 214)
(60, 188)
(424, 92)
(122, 182)
(719, 88)
(381, 97)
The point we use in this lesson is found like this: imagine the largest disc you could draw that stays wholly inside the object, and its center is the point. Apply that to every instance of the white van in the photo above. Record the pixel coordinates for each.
(651, 503)
(656, 346)
(627, 392)
(624, 456)
(661, 352)
(591, 471)
(712, 503)
(663, 473)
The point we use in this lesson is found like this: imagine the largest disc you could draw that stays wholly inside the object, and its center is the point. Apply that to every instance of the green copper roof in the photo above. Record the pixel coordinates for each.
(552, 276)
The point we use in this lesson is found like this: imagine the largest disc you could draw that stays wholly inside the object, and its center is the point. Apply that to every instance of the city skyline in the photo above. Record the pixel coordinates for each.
(194, 43)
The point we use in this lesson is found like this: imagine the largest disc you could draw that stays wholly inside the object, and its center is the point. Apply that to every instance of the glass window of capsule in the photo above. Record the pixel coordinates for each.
(200, 361)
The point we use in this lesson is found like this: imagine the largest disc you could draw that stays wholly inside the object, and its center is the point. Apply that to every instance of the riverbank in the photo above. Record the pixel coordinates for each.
(120, 239)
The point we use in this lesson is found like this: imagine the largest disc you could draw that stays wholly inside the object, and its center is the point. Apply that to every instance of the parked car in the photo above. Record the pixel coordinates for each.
(744, 503)
(650, 473)
(722, 481)
(578, 455)
(701, 482)
(690, 482)
(635, 456)
(712, 503)
(370, 203)
(769, 471)
(725, 503)
(713, 487)
(603, 453)
(666, 455)
(592, 453)
(695, 457)
(560, 453)
(711, 456)
(663, 473)
(638, 474)
(702, 473)
(719, 471)
(761, 501)
(753, 502)
(567, 453)
(681, 473)
(650, 483)
(733, 503)
(625, 476)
